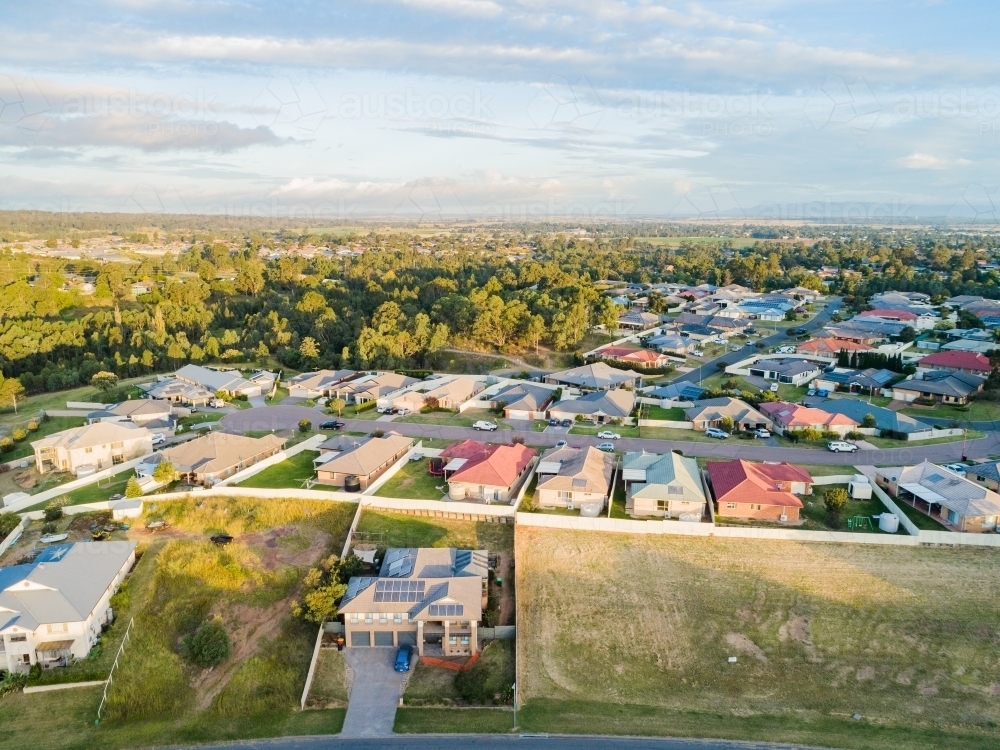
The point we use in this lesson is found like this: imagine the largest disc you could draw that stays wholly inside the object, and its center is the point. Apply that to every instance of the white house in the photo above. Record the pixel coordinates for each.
(84, 450)
(52, 610)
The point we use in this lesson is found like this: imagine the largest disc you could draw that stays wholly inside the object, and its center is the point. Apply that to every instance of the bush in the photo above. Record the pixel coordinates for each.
(32, 426)
(48, 528)
(365, 406)
(305, 425)
(8, 522)
(854, 435)
(132, 487)
(377, 433)
(19, 435)
(6, 445)
(835, 499)
(54, 510)
(208, 645)
(490, 679)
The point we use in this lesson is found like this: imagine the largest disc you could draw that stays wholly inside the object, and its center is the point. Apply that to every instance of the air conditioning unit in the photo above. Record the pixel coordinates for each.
(782, 517)
(569, 506)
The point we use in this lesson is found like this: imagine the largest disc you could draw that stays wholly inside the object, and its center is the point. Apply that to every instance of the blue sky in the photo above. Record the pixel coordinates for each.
(502, 108)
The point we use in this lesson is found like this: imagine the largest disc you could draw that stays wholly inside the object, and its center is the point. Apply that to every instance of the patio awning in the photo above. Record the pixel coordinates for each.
(54, 646)
(455, 464)
(923, 493)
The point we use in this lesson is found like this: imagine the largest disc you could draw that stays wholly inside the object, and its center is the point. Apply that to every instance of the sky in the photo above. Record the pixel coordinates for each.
(503, 109)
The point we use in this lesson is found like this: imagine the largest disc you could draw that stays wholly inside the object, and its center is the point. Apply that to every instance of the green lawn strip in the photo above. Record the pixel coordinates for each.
(977, 411)
(290, 473)
(813, 511)
(351, 412)
(415, 482)
(453, 721)
(192, 421)
(94, 493)
(28, 722)
(443, 418)
(586, 717)
(412, 531)
(673, 414)
(46, 427)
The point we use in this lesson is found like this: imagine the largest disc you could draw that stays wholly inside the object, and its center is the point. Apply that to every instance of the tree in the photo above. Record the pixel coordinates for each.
(104, 381)
(835, 500)
(338, 404)
(907, 335)
(54, 510)
(309, 349)
(208, 645)
(790, 315)
(250, 279)
(868, 421)
(305, 425)
(132, 487)
(10, 391)
(726, 424)
(8, 522)
(165, 472)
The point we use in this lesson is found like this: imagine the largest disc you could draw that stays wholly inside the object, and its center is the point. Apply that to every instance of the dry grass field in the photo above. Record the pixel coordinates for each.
(633, 635)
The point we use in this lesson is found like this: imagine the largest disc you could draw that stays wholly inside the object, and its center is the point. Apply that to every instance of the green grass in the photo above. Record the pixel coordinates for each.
(890, 443)
(329, 687)
(920, 519)
(414, 482)
(486, 683)
(813, 512)
(820, 632)
(98, 492)
(351, 412)
(443, 418)
(288, 473)
(977, 411)
(453, 721)
(57, 400)
(192, 421)
(623, 430)
(419, 531)
(673, 414)
(48, 427)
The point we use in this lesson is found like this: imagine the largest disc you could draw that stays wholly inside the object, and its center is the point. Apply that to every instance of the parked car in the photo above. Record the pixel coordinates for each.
(606, 447)
(482, 424)
(116, 497)
(566, 423)
(403, 658)
(762, 433)
(402, 412)
(158, 437)
(331, 425)
(840, 446)
(608, 435)
(217, 403)
(553, 422)
(383, 409)
(561, 444)
(957, 468)
(715, 432)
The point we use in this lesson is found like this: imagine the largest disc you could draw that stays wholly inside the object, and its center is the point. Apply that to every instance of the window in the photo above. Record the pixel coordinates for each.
(397, 618)
(18, 638)
(383, 618)
(368, 618)
(57, 627)
(89, 450)
(755, 506)
(565, 496)
(663, 505)
(465, 640)
(731, 506)
(119, 444)
(354, 618)
(452, 640)
(118, 458)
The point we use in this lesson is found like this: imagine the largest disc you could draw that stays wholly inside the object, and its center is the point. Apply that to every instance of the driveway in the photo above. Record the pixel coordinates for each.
(257, 402)
(269, 418)
(371, 711)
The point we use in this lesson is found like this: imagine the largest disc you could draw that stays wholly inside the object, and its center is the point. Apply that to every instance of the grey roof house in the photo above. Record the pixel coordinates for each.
(522, 400)
(599, 406)
(942, 494)
(788, 370)
(595, 376)
(885, 419)
(944, 386)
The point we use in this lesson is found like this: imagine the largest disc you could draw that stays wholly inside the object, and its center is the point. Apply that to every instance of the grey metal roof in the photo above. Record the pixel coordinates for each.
(885, 419)
(945, 383)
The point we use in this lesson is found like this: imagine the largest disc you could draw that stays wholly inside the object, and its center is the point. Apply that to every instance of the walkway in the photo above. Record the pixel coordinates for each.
(371, 711)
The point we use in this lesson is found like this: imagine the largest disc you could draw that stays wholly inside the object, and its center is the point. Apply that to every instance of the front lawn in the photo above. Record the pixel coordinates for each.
(289, 473)
(414, 482)
(890, 443)
(673, 414)
(443, 418)
(582, 428)
(977, 411)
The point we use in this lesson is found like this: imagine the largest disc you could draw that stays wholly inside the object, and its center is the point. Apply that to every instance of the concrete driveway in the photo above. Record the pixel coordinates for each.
(257, 402)
(371, 710)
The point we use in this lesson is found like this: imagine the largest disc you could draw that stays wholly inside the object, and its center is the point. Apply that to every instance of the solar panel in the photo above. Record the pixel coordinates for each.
(399, 591)
(446, 610)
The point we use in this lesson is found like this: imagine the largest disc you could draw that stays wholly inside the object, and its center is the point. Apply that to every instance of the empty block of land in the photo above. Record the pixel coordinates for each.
(634, 635)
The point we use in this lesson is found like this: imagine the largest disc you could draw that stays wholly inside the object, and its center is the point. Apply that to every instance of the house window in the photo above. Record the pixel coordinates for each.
(57, 627)
(465, 640)
(117, 445)
(118, 458)
(354, 618)
(18, 638)
(383, 619)
(90, 450)
(565, 497)
(368, 618)
(663, 505)
(731, 506)
(397, 618)
(452, 640)
(755, 506)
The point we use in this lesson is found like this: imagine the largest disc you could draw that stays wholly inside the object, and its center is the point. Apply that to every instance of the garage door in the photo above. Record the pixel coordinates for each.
(361, 638)
(406, 639)
(383, 638)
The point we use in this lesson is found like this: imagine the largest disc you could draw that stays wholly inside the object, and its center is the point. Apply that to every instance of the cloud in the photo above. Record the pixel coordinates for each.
(929, 161)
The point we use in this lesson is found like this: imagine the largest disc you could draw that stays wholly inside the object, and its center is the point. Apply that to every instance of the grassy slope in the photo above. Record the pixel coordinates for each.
(288, 473)
(821, 632)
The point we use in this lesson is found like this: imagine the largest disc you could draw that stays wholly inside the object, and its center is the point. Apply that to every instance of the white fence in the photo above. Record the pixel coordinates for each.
(13, 536)
(88, 405)
(310, 444)
(932, 434)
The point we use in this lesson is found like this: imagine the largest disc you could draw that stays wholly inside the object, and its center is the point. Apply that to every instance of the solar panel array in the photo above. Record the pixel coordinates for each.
(446, 610)
(399, 591)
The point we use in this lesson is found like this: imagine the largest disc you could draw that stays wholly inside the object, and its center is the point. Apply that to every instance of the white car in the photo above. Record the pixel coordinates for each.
(608, 435)
(383, 409)
(715, 432)
(158, 438)
(482, 424)
(402, 412)
(762, 433)
(839, 446)
(957, 468)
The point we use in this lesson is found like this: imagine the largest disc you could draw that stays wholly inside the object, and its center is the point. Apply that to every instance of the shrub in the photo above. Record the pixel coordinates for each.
(19, 435)
(365, 406)
(48, 528)
(305, 425)
(868, 421)
(854, 435)
(377, 433)
(132, 487)
(32, 426)
(834, 499)
(54, 510)
(208, 645)
(8, 522)
(6, 445)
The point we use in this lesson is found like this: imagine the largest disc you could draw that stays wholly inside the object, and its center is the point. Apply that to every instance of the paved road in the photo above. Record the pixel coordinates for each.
(371, 712)
(495, 742)
(277, 418)
(710, 368)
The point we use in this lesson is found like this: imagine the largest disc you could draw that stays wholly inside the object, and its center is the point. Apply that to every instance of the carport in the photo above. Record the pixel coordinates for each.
(928, 496)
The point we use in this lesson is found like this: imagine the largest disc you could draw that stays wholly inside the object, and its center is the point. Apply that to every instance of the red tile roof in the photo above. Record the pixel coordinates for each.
(830, 345)
(617, 351)
(469, 449)
(500, 469)
(889, 314)
(742, 482)
(793, 415)
(960, 360)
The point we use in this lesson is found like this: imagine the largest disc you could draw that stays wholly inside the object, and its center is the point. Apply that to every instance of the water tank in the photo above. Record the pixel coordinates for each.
(889, 523)
(456, 491)
(352, 484)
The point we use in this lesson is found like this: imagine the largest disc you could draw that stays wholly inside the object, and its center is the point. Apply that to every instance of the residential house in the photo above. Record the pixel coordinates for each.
(454, 393)
(374, 387)
(493, 478)
(638, 321)
(887, 421)
(429, 598)
(873, 329)
(830, 348)
(941, 386)
(91, 448)
(595, 376)
(699, 333)
(672, 344)
(800, 292)
(317, 384)
(366, 461)
(523, 401)
(870, 380)
(147, 412)
(663, 486)
(141, 287)
(599, 407)
(764, 491)
(53, 609)
(575, 479)
(973, 363)
(925, 320)
(792, 417)
(987, 474)
(971, 345)
(944, 495)
(634, 356)
(229, 381)
(412, 401)
(789, 371)
(180, 392)
(677, 391)
(711, 411)
(218, 455)
(841, 332)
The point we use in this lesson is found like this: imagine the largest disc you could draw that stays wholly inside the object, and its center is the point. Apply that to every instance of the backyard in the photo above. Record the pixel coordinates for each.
(95, 493)
(290, 473)
(819, 633)
(413, 481)
(45, 427)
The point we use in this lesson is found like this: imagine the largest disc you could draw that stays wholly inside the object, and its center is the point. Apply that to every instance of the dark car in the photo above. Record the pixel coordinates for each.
(553, 422)
(567, 423)
(403, 658)
(333, 425)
